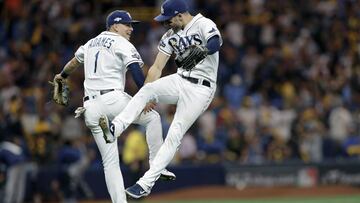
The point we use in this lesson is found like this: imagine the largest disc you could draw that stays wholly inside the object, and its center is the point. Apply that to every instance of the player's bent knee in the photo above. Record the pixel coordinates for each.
(147, 88)
(91, 124)
(155, 116)
(147, 92)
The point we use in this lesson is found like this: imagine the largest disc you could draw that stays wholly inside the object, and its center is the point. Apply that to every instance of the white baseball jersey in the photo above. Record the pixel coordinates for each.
(197, 32)
(105, 59)
(191, 98)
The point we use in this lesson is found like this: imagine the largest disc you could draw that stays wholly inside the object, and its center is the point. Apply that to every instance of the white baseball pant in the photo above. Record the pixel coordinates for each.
(191, 100)
(111, 104)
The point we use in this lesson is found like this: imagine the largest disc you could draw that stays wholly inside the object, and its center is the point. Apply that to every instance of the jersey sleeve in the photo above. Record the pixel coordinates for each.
(164, 45)
(130, 55)
(209, 29)
(79, 54)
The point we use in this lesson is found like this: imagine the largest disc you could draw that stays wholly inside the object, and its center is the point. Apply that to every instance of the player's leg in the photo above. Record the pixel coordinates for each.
(109, 154)
(154, 138)
(164, 87)
(167, 151)
(115, 102)
(190, 105)
(110, 158)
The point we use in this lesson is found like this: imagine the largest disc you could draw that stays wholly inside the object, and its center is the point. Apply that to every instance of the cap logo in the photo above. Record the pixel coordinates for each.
(162, 10)
(176, 12)
(117, 19)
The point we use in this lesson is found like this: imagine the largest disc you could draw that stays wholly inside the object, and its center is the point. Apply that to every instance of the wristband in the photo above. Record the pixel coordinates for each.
(63, 74)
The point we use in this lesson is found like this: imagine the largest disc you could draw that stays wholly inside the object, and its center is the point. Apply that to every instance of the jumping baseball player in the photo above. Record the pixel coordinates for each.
(196, 41)
(106, 59)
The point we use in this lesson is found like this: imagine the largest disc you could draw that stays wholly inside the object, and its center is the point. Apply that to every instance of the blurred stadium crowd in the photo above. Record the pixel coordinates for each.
(288, 83)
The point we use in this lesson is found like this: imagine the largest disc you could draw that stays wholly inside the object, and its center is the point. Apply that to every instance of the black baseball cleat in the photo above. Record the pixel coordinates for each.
(167, 175)
(136, 191)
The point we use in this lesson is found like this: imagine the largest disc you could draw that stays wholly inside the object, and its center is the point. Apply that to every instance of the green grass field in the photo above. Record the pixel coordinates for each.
(335, 199)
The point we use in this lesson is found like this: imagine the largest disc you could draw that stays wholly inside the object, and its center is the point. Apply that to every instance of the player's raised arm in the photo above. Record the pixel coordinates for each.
(59, 84)
(69, 68)
(156, 69)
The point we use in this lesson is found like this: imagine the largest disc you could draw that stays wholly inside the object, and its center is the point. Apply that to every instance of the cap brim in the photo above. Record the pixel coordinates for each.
(130, 22)
(135, 22)
(161, 18)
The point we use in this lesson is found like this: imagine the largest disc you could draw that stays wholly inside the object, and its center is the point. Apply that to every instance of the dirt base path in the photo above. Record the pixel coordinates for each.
(220, 192)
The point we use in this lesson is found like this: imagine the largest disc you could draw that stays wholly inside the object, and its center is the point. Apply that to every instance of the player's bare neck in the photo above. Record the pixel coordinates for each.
(187, 19)
(113, 30)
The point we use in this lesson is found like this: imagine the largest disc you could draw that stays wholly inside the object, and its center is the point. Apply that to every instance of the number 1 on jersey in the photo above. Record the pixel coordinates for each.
(96, 59)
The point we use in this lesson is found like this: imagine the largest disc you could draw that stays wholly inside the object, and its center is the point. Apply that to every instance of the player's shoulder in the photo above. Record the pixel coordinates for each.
(200, 20)
(91, 40)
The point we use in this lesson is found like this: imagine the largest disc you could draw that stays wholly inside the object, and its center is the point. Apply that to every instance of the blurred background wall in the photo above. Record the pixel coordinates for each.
(288, 93)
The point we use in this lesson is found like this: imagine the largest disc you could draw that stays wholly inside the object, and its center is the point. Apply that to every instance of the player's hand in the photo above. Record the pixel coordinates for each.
(61, 90)
(149, 106)
(191, 57)
(58, 77)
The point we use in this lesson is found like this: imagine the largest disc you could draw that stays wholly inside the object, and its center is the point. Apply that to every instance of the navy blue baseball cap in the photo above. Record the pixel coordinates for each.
(171, 8)
(119, 16)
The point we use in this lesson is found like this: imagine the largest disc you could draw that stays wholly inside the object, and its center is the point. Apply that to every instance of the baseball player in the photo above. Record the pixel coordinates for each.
(191, 90)
(106, 59)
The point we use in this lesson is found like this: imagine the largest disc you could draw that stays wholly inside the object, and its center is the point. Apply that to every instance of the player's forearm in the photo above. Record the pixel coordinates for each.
(70, 67)
(156, 69)
(153, 74)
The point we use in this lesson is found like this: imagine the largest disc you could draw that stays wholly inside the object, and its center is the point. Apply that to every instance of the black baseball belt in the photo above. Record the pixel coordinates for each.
(101, 93)
(196, 80)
